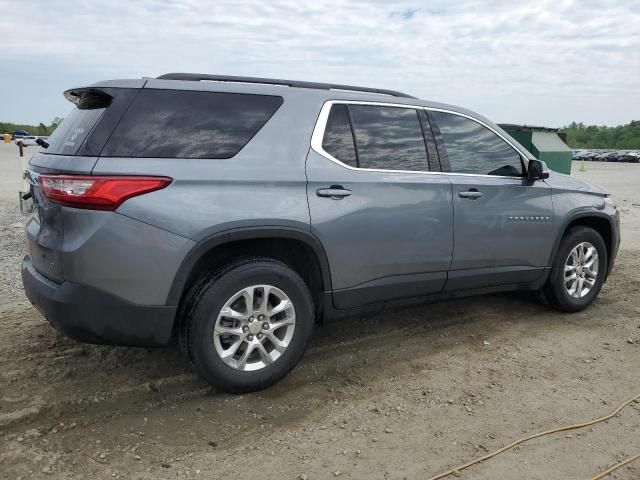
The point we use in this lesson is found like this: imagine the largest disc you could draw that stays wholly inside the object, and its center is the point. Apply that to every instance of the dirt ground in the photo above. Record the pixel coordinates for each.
(402, 394)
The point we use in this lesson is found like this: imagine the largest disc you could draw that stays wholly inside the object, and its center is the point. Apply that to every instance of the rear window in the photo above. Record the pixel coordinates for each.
(188, 124)
(67, 138)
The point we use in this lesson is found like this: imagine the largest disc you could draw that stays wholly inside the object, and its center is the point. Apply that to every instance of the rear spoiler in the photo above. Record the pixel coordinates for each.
(88, 97)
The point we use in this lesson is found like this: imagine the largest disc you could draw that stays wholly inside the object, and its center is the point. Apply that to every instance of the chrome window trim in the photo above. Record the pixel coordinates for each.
(321, 124)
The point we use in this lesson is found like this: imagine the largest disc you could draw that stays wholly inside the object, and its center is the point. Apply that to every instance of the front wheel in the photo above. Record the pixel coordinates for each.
(578, 270)
(249, 325)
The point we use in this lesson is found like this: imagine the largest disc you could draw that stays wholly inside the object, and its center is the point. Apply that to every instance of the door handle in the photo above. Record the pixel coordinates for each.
(335, 191)
(472, 194)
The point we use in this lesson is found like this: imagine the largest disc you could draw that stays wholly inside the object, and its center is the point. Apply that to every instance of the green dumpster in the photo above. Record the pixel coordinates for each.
(546, 144)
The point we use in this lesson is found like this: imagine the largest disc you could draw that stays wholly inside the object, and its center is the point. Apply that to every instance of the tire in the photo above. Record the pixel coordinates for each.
(556, 291)
(203, 321)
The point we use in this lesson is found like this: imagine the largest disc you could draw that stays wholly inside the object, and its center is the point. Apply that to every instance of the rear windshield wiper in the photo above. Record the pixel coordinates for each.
(42, 143)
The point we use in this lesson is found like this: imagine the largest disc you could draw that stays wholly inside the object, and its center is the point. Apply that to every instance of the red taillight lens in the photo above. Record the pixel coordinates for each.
(97, 192)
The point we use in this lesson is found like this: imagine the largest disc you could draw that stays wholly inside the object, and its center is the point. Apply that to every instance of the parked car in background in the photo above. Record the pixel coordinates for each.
(19, 134)
(236, 213)
(606, 155)
(30, 140)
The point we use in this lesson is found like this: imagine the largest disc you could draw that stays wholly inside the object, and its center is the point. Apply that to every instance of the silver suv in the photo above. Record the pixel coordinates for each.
(235, 213)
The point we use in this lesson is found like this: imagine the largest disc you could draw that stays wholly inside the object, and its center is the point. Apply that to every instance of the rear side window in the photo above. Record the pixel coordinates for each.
(388, 138)
(473, 148)
(67, 138)
(188, 124)
(338, 139)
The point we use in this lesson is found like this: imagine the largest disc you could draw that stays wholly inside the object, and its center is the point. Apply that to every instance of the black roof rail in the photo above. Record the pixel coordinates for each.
(274, 81)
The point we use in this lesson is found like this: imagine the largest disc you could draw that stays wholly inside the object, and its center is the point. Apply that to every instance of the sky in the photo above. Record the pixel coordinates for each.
(535, 62)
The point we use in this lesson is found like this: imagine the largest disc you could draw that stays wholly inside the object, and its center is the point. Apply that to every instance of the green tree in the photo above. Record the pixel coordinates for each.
(40, 129)
(626, 137)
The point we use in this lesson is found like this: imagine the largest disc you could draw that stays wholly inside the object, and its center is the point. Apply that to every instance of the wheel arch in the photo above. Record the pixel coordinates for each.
(289, 244)
(599, 221)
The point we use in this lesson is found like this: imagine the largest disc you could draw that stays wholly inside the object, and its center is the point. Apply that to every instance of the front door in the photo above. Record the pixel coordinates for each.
(384, 220)
(503, 223)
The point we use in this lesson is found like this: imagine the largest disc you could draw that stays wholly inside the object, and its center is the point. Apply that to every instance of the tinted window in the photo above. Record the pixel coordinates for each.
(338, 139)
(185, 124)
(69, 135)
(473, 148)
(388, 138)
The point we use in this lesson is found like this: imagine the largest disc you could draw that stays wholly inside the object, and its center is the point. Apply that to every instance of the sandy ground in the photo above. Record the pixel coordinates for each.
(402, 394)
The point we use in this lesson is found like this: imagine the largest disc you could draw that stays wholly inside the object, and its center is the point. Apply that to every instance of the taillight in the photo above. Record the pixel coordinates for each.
(97, 192)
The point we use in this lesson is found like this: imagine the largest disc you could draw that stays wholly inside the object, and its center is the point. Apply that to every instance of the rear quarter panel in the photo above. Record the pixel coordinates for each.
(127, 258)
(264, 184)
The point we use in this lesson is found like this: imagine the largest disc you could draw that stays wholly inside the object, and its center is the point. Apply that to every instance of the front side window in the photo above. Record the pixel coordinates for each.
(388, 138)
(189, 124)
(473, 148)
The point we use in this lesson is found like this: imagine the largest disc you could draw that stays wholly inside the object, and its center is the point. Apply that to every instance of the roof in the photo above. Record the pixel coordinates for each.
(328, 91)
(275, 81)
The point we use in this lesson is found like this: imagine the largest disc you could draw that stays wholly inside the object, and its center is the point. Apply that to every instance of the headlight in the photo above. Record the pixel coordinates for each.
(609, 201)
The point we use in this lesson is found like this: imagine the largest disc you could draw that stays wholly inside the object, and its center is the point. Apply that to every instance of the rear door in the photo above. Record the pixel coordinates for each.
(503, 223)
(378, 202)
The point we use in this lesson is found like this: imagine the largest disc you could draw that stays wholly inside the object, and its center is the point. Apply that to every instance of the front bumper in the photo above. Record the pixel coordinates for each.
(615, 241)
(91, 315)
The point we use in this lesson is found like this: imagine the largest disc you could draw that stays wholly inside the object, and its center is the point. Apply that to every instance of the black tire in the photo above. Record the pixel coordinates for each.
(208, 298)
(555, 291)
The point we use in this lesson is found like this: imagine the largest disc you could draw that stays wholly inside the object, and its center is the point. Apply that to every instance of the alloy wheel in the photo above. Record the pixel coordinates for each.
(254, 327)
(581, 270)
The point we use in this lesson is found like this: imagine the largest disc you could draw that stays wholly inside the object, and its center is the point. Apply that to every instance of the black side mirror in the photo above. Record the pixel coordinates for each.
(536, 171)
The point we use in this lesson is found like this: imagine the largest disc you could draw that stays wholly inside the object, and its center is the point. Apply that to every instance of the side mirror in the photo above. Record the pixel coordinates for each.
(536, 170)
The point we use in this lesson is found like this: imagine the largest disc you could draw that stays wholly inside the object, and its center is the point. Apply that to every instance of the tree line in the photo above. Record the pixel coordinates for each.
(622, 137)
(40, 129)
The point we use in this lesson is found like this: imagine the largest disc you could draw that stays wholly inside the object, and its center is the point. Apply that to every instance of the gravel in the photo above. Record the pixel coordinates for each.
(12, 243)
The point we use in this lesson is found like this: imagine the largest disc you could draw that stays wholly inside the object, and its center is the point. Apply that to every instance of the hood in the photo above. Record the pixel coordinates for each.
(560, 181)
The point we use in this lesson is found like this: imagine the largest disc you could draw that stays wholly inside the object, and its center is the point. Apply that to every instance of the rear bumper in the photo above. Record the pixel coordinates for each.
(94, 316)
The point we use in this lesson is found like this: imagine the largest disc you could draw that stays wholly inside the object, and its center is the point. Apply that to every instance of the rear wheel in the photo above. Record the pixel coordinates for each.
(578, 270)
(248, 325)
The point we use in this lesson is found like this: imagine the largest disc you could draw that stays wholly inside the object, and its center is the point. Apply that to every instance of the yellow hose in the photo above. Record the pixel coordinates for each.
(616, 466)
(540, 434)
